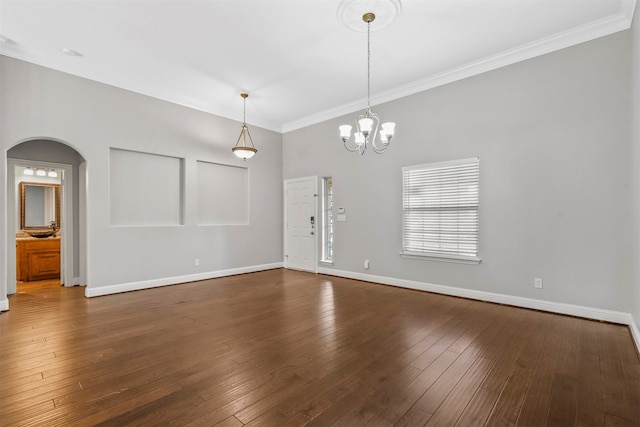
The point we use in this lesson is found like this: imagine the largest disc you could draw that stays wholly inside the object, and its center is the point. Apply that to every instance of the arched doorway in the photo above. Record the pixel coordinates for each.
(55, 156)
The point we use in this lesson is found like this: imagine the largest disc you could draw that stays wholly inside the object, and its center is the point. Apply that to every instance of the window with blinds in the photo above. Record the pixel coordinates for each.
(440, 210)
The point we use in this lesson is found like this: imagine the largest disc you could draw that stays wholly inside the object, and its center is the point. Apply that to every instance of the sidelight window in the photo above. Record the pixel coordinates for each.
(327, 219)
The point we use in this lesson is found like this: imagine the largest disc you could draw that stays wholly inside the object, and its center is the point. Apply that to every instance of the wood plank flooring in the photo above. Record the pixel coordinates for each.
(288, 348)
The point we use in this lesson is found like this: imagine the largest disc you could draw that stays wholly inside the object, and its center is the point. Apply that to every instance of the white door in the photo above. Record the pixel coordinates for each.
(300, 223)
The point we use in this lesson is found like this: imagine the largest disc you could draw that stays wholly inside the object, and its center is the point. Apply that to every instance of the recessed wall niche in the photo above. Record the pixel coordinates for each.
(223, 194)
(145, 189)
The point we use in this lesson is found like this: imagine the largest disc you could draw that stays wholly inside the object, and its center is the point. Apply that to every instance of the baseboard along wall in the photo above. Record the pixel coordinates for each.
(535, 304)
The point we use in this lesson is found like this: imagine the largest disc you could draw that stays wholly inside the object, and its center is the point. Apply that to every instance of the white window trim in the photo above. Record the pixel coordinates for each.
(460, 259)
(444, 258)
(324, 209)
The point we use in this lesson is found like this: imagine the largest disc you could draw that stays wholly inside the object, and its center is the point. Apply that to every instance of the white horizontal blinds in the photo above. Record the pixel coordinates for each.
(440, 209)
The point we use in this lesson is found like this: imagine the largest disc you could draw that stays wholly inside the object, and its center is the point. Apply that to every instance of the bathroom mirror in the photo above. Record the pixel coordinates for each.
(39, 205)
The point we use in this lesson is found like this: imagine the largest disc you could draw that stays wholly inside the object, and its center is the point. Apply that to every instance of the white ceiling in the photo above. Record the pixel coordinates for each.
(297, 62)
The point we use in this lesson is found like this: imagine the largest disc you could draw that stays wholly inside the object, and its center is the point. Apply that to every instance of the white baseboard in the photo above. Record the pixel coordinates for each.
(536, 304)
(75, 281)
(635, 332)
(554, 307)
(91, 291)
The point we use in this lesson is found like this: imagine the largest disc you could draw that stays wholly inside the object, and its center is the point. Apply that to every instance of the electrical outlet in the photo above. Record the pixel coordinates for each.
(537, 283)
(366, 264)
(197, 262)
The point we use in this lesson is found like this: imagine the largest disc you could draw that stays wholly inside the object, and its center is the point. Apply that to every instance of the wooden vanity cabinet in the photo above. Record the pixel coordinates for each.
(38, 259)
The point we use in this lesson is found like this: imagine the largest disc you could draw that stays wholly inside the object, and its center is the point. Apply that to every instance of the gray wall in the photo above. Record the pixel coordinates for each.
(552, 134)
(39, 103)
(635, 168)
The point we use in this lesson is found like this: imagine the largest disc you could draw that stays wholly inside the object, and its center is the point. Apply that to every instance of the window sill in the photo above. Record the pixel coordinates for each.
(442, 258)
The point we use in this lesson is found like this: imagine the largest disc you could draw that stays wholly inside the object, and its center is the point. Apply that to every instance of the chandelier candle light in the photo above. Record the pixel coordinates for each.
(243, 150)
(368, 123)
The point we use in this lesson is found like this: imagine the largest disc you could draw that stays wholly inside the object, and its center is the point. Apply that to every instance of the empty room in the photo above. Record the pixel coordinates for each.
(319, 212)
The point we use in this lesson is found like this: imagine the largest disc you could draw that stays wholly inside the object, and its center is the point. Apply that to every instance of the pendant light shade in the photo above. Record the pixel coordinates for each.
(244, 147)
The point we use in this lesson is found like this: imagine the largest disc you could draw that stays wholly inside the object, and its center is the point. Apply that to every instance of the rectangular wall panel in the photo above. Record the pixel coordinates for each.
(145, 189)
(223, 194)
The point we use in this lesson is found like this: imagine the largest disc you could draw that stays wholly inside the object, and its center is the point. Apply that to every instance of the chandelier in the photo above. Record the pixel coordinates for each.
(243, 150)
(368, 124)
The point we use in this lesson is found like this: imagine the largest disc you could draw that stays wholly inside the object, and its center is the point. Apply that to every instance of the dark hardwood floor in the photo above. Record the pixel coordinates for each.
(287, 348)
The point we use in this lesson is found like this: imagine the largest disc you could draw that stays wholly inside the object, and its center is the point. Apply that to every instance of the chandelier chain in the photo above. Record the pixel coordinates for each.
(368, 123)
(369, 64)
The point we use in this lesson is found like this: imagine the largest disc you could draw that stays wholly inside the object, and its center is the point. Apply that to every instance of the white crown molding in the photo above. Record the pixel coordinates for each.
(96, 291)
(600, 28)
(593, 30)
(155, 92)
(628, 10)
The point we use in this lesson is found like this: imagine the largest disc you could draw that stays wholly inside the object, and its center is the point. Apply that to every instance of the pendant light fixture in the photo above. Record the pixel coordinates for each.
(368, 123)
(243, 150)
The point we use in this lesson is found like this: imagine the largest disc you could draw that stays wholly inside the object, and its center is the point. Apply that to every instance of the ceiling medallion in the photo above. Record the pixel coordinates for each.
(350, 13)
